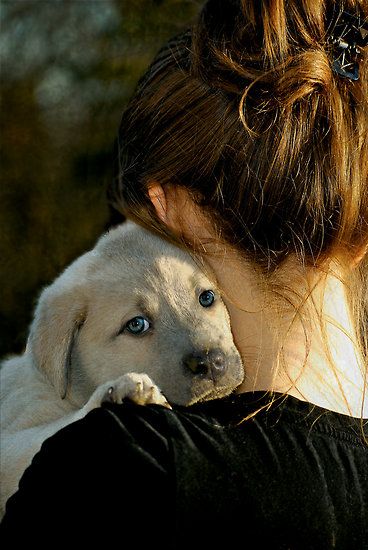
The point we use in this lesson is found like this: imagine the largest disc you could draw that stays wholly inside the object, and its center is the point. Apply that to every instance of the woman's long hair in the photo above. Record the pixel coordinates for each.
(246, 112)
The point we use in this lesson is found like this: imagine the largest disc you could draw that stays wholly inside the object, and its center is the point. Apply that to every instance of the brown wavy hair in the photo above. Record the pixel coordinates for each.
(245, 111)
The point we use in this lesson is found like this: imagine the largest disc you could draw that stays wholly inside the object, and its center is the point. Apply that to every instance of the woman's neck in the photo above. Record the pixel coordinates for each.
(310, 351)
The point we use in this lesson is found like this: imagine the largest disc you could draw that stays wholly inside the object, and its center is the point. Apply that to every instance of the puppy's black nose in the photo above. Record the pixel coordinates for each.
(208, 363)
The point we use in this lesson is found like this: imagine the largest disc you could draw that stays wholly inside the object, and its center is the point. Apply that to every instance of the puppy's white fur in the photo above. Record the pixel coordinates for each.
(79, 352)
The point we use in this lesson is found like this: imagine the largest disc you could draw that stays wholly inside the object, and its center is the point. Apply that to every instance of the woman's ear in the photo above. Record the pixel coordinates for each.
(158, 199)
(169, 204)
(176, 209)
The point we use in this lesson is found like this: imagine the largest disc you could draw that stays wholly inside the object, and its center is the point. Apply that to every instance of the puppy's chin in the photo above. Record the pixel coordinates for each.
(213, 392)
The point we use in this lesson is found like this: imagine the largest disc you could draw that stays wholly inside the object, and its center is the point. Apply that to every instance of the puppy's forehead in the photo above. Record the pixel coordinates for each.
(179, 268)
(132, 253)
(171, 286)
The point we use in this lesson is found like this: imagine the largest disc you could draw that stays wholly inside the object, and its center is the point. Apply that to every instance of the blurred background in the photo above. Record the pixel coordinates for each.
(68, 68)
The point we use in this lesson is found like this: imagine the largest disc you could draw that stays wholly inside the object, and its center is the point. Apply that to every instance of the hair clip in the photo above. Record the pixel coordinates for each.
(348, 36)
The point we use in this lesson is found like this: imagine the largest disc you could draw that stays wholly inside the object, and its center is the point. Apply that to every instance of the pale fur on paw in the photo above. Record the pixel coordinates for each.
(137, 387)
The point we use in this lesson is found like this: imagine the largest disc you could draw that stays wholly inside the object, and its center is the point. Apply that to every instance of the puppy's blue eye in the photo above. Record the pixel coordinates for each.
(206, 298)
(137, 325)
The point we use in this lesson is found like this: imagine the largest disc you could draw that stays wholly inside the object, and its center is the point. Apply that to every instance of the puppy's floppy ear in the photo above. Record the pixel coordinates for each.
(59, 314)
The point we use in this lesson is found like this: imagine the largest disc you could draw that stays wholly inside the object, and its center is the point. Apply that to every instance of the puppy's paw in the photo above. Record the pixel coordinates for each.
(137, 387)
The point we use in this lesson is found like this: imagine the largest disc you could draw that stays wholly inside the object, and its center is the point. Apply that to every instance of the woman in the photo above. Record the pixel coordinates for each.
(246, 141)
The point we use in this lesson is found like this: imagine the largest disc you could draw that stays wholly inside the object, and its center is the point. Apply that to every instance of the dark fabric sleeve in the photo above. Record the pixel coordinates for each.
(105, 476)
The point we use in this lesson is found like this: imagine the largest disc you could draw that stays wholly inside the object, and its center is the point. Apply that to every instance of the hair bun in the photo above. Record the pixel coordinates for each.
(304, 74)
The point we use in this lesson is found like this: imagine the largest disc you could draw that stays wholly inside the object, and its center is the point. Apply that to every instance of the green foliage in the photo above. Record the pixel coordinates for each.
(68, 68)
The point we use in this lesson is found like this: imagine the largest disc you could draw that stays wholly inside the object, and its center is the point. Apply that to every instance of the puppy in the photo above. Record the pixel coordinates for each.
(133, 318)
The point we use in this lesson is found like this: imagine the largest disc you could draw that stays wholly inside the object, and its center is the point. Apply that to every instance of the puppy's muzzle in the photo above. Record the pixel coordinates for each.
(210, 364)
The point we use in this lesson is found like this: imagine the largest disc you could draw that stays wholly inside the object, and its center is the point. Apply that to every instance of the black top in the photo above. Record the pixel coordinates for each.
(295, 476)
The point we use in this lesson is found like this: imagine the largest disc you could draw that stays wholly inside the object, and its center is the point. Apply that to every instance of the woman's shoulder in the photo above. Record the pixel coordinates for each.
(249, 416)
(253, 420)
(245, 455)
(256, 430)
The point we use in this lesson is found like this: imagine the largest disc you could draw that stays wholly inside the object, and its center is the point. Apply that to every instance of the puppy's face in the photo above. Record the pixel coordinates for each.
(147, 307)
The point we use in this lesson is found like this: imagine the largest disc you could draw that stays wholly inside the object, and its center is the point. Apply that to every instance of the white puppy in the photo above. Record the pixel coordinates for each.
(133, 312)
